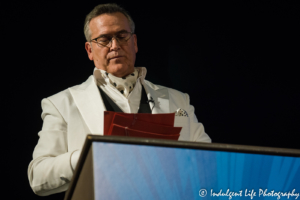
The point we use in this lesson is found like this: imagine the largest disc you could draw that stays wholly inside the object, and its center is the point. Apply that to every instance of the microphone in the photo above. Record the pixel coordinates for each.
(151, 100)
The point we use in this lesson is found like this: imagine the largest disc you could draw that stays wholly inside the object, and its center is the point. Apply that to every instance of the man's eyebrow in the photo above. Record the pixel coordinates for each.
(106, 35)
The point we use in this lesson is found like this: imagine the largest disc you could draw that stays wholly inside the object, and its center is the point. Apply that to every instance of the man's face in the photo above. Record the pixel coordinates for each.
(116, 59)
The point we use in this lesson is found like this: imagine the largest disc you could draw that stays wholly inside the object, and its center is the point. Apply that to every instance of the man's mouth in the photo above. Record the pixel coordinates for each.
(115, 57)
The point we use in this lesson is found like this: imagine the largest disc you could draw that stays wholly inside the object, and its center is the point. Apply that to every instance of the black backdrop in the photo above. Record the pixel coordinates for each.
(238, 62)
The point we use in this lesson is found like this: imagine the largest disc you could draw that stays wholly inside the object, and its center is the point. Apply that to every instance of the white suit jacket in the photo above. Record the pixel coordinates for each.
(77, 111)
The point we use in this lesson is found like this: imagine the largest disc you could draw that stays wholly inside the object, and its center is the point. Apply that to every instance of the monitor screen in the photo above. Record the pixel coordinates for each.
(138, 171)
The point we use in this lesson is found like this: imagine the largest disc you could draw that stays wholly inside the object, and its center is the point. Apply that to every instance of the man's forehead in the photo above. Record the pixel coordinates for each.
(107, 23)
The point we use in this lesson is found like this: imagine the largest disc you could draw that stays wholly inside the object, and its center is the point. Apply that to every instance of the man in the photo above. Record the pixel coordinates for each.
(115, 85)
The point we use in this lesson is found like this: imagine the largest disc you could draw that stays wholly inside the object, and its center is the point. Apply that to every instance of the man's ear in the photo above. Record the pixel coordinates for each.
(135, 43)
(89, 50)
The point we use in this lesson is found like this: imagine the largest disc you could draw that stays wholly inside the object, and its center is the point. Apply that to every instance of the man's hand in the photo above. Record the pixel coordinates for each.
(74, 159)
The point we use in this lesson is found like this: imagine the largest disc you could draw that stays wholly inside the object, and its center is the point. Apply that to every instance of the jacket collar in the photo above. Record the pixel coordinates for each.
(160, 97)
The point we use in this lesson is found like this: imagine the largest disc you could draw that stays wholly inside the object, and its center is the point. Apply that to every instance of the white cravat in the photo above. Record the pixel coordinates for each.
(125, 84)
(129, 100)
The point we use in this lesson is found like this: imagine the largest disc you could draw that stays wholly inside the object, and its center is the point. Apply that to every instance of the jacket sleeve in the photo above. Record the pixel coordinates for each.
(197, 133)
(50, 170)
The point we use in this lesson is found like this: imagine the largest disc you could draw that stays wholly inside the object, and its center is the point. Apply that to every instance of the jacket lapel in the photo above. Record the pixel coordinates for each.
(88, 101)
(160, 97)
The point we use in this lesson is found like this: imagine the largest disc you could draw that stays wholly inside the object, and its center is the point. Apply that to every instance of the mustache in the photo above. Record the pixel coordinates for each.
(115, 55)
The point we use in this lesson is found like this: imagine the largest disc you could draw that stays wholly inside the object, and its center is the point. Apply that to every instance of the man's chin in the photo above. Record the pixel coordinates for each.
(120, 70)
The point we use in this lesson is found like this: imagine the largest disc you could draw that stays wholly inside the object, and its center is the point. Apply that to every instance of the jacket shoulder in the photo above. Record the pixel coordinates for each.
(61, 96)
(172, 92)
(66, 94)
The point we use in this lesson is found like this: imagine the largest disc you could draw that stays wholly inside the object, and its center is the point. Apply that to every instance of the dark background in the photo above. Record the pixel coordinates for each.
(238, 61)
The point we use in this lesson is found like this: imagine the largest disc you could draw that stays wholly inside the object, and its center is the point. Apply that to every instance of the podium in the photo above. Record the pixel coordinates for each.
(112, 167)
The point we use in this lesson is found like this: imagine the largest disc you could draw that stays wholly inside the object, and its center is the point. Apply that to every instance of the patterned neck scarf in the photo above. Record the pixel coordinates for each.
(125, 84)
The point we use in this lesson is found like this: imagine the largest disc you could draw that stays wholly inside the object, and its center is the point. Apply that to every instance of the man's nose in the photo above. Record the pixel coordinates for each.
(114, 44)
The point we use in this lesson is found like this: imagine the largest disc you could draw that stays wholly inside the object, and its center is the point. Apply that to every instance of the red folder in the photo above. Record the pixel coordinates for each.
(135, 124)
(125, 131)
(141, 125)
(166, 119)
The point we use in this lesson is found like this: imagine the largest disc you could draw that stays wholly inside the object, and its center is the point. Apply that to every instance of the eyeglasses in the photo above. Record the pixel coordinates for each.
(106, 40)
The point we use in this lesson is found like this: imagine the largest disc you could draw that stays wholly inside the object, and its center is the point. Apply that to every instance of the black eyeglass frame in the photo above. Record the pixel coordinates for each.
(110, 42)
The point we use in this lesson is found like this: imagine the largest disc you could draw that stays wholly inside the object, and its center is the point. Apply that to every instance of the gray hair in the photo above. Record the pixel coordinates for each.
(102, 9)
